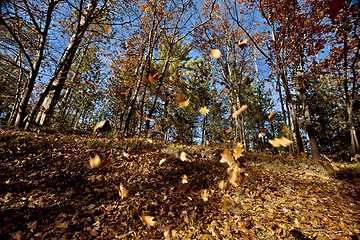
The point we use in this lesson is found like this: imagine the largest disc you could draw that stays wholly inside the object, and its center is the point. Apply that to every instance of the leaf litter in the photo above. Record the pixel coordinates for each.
(48, 191)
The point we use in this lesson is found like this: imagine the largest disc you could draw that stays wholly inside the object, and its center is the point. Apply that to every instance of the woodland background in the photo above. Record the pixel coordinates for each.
(149, 67)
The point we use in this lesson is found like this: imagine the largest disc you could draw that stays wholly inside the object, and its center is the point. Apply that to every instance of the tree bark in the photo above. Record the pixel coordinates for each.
(50, 95)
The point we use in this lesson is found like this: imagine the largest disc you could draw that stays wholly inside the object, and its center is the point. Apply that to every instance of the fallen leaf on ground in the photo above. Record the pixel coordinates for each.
(148, 221)
(123, 192)
(205, 195)
(184, 179)
(162, 161)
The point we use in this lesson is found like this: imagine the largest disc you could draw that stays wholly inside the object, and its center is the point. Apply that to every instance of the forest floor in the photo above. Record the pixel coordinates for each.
(49, 191)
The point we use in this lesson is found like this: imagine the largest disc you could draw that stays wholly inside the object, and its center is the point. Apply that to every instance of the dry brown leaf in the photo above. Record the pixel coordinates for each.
(285, 130)
(184, 179)
(107, 29)
(162, 161)
(227, 157)
(123, 192)
(215, 53)
(242, 43)
(157, 127)
(204, 111)
(271, 116)
(240, 110)
(103, 126)
(222, 184)
(138, 115)
(205, 195)
(278, 142)
(181, 101)
(184, 157)
(236, 175)
(95, 161)
(238, 150)
(153, 78)
(148, 221)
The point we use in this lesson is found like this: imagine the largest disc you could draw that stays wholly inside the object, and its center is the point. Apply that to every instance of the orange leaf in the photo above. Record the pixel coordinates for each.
(285, 130)
(148, 221)
(278, 142)
(271, 116)
(261, 134)
(107, 29)
(215, 53)
(181, 101)
(238, 150)
(240, 110)
(153, 78)
(227, 157)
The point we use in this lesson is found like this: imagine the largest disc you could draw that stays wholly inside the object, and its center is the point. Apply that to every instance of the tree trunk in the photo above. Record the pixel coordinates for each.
(50, 95)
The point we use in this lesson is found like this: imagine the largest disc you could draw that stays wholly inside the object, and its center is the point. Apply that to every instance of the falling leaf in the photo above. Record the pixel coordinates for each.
(148, 221)
(242, 43)
(227, 157)
(261, 135)
(181, 101)
(123, 192)
(215, 53)
(222, 184)
(204, 111)
(162, 161)
(138, 115)
(149, 140)
(236, 175)
(271, 116)
(184, 179)
(278, 142)
(238, 150)
(240, 110)
(286, 130)
(167, 232)
(95, 161)
(205, 195)
(334, 7)
(153, 78)
(227, 131)
(107, 29)
(183, 156)
(103, 126)
(157, 127)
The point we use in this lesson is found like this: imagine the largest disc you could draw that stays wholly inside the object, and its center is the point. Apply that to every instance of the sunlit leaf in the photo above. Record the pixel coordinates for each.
(184, 157)
(149, 140)
(278, 142)
(184, 179)
(222, 184)
(227, 157)
(239, 111)
(103, 126)
(238, 150)
(162, 161)
(153, 78)
(261, 135)
(205, 195)
(95, 161)
(138, 115)
(215, 53)
(271, 116)
(242, 43)
(148, 221)
(157, 127)
(204, 110)
(236, 176)
(107, 29)
(285, 130)
(123, 192)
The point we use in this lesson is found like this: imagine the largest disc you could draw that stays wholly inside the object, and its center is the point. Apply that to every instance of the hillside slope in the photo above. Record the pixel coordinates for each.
(49, 191)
